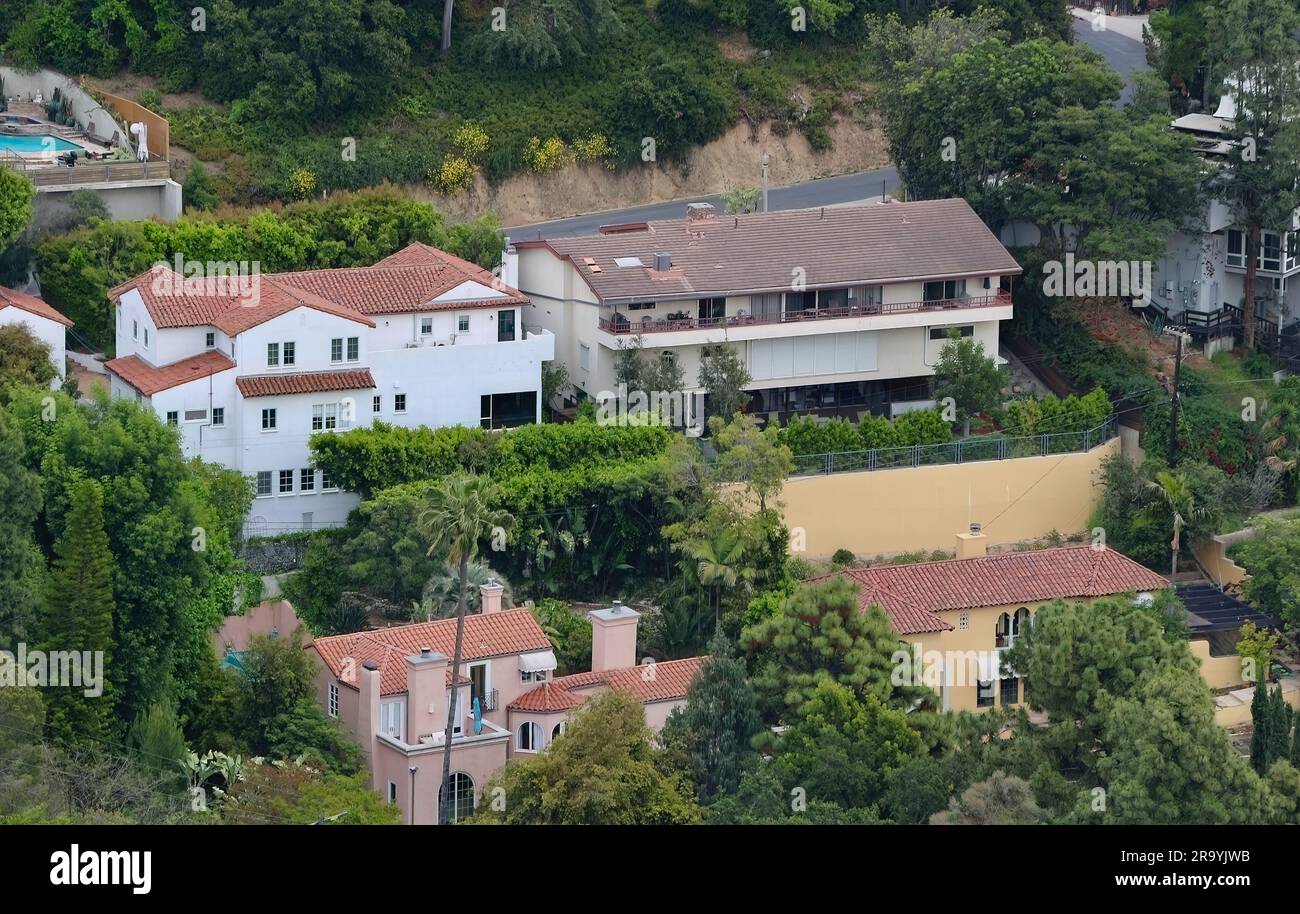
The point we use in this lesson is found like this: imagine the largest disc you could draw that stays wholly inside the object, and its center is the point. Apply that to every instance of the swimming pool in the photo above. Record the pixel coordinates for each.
(34, 145)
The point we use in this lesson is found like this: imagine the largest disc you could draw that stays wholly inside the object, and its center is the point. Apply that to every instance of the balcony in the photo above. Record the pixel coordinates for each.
(621, 325)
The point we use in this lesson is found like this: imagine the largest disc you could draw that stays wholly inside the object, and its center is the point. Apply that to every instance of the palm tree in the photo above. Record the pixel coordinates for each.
(441, 594)
(1174, 493)
(459, 516)
(716, 562)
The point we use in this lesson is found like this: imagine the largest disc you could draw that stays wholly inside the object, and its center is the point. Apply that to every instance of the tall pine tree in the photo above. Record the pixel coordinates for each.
(79, 616)
(21, 564)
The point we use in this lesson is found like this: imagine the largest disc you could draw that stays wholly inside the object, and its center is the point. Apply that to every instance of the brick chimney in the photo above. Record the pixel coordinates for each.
(973, 544)
(426, 694)
(491, 593)
(613, 637)
(699, 212)
(368, 712)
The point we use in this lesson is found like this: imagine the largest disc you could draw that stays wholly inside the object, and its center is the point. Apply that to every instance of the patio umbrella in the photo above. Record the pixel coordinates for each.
(141, 133)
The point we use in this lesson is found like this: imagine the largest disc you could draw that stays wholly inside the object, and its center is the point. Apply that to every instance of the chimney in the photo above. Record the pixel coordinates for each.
(613, 637)
(491, 594)
(368, 713)
(426, 694)
(510, 265)
(696, 212)
(973, 544)
(663, 261)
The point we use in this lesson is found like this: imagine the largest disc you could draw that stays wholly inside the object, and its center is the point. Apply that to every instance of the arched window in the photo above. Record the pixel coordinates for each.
(1022, 622)
(530, 737)
(558, 731)
(462, 797)
(1002, 631)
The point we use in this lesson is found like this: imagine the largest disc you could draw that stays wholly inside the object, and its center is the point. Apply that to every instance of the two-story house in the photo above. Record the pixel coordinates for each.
(956, 617)
(837, 310)
(42, 321)
(249, 371)
(390, 688)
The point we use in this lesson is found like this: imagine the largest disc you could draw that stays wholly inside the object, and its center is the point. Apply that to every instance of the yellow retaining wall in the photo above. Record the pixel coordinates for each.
(905, 510)
(1239, 713)
(1219, 672)
(1212, 553)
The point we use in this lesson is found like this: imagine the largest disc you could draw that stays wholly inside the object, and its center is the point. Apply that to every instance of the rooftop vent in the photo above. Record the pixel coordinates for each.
(663, 261)
(697, 211)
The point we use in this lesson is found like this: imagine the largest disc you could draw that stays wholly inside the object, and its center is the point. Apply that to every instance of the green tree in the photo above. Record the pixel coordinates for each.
(296, 794)
(820, 633)
(303, 732)
(718, 724)
(23, 358)
(1272, 563)
(603, 771)
(198, 191)
(16, 195)
(971, 380)
(1002, 799)
(461, 513)
(79, 609)
(278, 674)
(1172, 494)
(1255, 647)
(724, 377)
(156, 741)
(545, 33)
(1257, 43)
(21, 565)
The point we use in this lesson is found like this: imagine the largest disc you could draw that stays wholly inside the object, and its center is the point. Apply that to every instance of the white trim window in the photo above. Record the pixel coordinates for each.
(354, 348)
(286, 482)
(268, 420)
(462, 323)
(336, 349)
(558, 730)
(426, 326)
(324, 416)
(584, 357)
(263, 483)
(530, 737)
(399, 403)
(333, 700)
(327, 484)
(392, 718)
(218, 416)
(289, 351)
(272, 355)
(308, 479)
(462, 797)
(209, 339)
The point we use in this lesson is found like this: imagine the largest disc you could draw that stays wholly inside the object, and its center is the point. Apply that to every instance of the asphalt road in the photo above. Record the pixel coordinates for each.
(1123, 54)
(821, 192)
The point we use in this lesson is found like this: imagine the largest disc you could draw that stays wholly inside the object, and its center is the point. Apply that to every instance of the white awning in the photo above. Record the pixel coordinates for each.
(538, 660)
(989, 663)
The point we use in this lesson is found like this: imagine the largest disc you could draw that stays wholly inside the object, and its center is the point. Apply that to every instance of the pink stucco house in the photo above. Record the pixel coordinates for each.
(391, 689)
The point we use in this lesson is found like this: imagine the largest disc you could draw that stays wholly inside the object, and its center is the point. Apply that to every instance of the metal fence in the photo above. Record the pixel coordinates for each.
(966, 450)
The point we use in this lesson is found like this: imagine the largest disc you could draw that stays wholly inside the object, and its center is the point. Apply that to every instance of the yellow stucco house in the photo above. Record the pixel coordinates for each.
(956, 617)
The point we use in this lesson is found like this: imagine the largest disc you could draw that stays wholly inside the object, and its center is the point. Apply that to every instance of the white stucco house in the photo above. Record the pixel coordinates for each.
(841, 310)
(46, 324)
(250, 370)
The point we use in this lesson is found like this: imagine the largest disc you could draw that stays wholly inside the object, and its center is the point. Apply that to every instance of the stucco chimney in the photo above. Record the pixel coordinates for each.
(613, 637)
(368, 712)
(426, 694)
(696, 212)
(491, 593)
(510, 265)
(973, 544)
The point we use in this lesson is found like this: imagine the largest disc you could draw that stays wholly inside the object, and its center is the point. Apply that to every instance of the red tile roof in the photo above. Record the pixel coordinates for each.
(667, 681)
(305, 382)
(12, 298)
(150, 380)
(406, 281)
(912, 594)
(511, 631)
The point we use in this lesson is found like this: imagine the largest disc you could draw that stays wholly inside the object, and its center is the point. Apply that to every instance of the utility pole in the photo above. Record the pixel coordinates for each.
(1174, 401)
(411, 817)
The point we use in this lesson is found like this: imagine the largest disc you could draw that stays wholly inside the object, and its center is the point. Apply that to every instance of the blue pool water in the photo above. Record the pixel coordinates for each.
(26, 145)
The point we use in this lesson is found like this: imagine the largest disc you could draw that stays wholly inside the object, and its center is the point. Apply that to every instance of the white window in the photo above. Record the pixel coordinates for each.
(135, 330)
(290, 353)
(307, 476)
(286, 482)
(530, 737)
(399, 403)
(354, 348)
(272, 355)
(263, 483)
(324, 416)
(462, 797)
(209, 339)
(268, 420)
(557, 731)
(1270, 254)
(327, 484)
(196, 415)
(584, 357)
(1236, 248)
(462, 323)
(333, 699)
(172, 417)
(392, 792)
(146, 336)
(392, 718)
(336, 349)
(426, 326)
(532, 675)
(941, 333)
(377, 403)
(218, 415)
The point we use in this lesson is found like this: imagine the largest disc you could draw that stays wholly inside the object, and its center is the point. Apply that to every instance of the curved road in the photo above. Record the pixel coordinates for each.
(1123, 52)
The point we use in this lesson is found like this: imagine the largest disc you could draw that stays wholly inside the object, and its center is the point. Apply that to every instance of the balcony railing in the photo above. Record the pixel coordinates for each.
(487, 700)
(621, 324)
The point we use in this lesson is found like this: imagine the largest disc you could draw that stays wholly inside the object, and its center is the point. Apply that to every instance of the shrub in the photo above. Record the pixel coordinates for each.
(302, 182)
(548, 156)
(843, 557)
(471, 140)
(151, 99)
(455, 174)
(595, 148)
